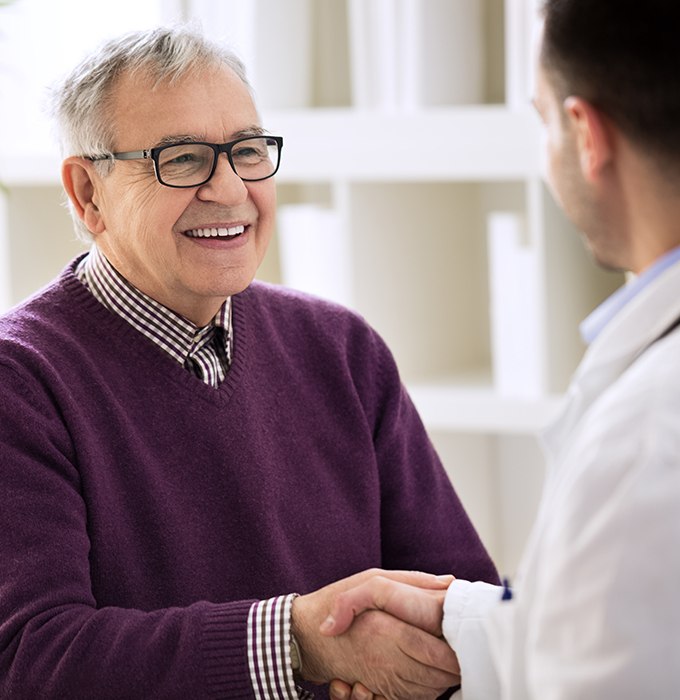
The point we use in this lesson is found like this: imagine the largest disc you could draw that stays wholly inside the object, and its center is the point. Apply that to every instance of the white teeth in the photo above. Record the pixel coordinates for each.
(216, 232)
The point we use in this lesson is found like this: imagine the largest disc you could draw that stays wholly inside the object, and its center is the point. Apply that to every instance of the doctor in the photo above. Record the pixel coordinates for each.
(595, 613)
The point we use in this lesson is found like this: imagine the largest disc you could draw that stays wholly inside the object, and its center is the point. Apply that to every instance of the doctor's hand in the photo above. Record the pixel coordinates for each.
(387, 656)
(344, 691)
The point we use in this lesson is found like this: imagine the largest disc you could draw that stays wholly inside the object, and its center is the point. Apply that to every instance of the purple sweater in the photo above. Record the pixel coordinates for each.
(142, 511)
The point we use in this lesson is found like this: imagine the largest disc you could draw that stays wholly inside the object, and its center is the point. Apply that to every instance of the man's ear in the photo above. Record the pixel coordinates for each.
(78, 177)
(593, 136)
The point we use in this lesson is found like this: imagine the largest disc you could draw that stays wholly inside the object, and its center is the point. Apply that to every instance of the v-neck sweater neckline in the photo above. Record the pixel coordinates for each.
(120, 331)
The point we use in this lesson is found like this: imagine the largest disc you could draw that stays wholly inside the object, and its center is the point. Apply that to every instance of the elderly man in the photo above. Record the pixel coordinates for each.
(595, 611)
(183, 450)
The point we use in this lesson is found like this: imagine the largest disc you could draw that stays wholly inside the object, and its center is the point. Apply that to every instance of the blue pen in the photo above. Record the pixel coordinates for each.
(507, 591)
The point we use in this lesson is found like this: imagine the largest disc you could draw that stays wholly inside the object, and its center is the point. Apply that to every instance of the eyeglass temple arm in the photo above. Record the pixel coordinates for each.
(126, 155)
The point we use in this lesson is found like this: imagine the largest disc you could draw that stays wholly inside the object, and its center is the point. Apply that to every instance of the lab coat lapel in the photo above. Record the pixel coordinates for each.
(626, 337)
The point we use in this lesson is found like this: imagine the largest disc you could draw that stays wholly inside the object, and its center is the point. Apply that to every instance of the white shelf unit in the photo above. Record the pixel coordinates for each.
(412, 181)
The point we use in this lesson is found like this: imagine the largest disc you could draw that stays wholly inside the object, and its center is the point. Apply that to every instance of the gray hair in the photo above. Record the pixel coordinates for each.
(81, 103)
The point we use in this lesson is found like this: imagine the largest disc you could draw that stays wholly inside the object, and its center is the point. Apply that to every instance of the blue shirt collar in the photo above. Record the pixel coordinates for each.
(594, 324)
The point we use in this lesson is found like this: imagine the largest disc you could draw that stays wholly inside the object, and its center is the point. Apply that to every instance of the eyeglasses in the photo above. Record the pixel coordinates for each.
(193, 163)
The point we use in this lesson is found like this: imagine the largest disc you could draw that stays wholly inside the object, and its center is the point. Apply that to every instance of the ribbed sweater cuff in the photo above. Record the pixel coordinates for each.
(224, 649)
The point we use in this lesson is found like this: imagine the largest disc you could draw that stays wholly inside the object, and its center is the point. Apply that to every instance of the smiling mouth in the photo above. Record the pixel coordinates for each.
(223, 233)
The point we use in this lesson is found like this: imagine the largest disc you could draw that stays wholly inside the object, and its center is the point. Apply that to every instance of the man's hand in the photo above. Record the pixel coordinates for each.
(390, 657)
(410, 602)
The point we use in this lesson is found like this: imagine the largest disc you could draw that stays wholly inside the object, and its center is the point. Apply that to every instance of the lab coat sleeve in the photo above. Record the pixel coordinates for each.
(466, 609)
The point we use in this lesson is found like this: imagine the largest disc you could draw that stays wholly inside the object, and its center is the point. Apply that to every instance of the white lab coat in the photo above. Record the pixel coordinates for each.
(596, 607)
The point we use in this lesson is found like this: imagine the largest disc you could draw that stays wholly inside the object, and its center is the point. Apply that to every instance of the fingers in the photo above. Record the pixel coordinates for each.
(343, 691)
(415, 605)
(420, 579)
(429, 651)
(421, 660)
(361, 692)
(339, 690)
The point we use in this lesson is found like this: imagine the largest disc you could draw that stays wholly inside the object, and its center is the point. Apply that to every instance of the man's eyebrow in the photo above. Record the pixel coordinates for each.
(178, 138)
(173, 139)
(250, 131)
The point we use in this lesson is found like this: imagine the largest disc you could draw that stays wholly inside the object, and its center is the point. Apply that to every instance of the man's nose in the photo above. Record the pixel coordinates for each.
(225, 185)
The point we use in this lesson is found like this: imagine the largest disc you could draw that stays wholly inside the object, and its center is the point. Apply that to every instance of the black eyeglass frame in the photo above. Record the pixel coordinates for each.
(217, 148)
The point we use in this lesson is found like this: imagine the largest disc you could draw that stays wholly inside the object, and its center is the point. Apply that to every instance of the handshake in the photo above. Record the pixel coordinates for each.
(377, 634)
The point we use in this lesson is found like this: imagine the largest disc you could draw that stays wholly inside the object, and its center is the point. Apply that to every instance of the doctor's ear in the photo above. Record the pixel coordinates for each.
(593, 136)
(79, 178)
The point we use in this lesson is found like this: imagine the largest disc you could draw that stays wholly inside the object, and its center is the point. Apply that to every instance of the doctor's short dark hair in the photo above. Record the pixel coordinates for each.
(622, 56)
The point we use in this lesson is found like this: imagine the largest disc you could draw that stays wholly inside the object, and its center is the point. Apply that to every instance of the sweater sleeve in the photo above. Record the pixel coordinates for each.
(424, 524)
(55, 641)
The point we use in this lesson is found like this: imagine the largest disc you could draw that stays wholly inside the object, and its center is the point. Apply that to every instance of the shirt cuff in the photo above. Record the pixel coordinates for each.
(269, 661)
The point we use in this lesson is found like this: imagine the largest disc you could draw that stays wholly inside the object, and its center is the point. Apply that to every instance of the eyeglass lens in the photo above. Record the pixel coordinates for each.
(190, 164)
